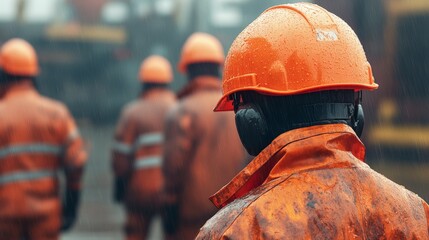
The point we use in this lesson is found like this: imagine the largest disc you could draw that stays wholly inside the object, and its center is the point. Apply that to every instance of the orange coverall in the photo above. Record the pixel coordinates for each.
(137, 157)
(312, 183)
(38, 137)
(202, 152)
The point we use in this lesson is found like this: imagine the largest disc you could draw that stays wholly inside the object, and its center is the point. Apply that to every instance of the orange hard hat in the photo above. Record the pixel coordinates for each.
(155, 69)
(294, 49)
(19, 58)
(201, 47)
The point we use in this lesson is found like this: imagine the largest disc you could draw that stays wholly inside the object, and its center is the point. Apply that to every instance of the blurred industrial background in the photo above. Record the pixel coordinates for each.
(90, 51)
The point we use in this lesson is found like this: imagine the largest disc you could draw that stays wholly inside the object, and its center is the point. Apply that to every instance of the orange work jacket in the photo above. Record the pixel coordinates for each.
(138, 147)
(202, 152)
(38, 138)
(312, 183)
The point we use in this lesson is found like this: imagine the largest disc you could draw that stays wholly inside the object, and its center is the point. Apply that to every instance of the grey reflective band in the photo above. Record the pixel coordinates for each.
(148, 162)
(122, 148)
(26, 176)
(30, 148)
(73, 135)
(149, 139)
(143, 140)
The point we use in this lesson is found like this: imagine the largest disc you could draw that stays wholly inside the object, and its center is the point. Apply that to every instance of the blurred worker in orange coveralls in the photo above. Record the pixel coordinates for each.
(137, 153)
(38, 137)
(202, 149)
(294, 78)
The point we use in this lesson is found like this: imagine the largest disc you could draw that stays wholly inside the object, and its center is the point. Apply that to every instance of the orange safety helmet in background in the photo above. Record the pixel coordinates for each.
(19, 58)
(201, 47)
(294, 49)
(155, 69)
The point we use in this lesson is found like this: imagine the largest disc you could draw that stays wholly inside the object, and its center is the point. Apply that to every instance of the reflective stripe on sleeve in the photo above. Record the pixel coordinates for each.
(122, 148)
(26, 176)
(148, 162)
(149, 139)
(73, 135)
(30, 148)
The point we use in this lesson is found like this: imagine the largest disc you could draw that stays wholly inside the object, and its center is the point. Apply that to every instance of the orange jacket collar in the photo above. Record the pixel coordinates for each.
(200, 83)
(294, 151)
(22, 87)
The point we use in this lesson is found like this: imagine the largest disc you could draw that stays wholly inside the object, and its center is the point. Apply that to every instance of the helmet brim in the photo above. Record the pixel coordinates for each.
(226, 104)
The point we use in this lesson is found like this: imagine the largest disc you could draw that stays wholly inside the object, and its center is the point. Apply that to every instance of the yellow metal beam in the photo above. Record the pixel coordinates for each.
(403, 7)
(87, 33)
(400, 136)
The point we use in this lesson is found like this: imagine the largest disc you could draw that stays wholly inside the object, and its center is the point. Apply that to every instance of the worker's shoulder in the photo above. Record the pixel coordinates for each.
(278, 204)
(238, 216)
(201, 99)
(193, 108)
(179, 109)
(285, 207)
(131, 108)
(186, 115)
(385, 186)
(52, 105)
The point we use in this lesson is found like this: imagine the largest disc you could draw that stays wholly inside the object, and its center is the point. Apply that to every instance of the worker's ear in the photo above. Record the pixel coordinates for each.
(252, 128)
